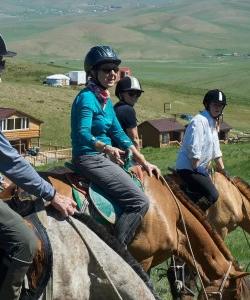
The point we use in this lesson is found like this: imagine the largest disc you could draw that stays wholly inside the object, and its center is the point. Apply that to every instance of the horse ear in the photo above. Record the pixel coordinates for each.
(240, 275)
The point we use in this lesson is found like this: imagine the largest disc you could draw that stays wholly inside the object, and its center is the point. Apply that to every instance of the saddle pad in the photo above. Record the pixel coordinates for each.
(106, 207)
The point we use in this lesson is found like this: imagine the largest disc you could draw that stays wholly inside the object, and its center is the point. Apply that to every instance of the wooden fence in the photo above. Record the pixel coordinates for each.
(240, 139)
(51, 156)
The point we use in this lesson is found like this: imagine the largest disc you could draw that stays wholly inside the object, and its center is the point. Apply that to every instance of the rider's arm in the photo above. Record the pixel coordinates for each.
(219, 164)
(193, 140)
(117, 133)
(18, 170)
(133, 134)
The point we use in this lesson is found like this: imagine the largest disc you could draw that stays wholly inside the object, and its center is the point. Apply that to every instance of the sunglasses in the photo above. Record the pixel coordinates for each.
(134, 93)
(107, 69)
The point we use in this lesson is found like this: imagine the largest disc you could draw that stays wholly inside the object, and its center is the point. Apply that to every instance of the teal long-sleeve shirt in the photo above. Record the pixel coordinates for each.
(90, 122)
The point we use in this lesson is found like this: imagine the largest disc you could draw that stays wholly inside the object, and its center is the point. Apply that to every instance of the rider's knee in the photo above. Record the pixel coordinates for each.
(214, 196)
(27, 246)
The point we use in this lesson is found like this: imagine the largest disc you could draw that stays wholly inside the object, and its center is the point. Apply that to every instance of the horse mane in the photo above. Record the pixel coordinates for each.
(243, 186)
(198, 213)
(112, 242)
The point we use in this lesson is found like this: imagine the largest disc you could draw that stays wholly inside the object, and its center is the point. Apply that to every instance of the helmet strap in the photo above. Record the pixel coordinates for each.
(94, 76)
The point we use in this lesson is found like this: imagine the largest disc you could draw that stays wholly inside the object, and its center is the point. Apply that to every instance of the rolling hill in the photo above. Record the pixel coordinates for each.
(151, 30)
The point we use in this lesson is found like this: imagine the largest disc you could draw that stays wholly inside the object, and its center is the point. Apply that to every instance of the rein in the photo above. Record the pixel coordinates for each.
(219, 292)
(116, 292)
(189, 243)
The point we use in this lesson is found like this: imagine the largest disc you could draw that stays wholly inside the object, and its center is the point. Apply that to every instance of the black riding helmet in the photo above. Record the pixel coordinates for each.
(3, 50)
(215, 96)
(100, 55)
(128, 83)
(4, 53)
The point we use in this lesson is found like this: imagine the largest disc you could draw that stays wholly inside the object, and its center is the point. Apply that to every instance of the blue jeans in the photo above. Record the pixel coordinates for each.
(119, 186)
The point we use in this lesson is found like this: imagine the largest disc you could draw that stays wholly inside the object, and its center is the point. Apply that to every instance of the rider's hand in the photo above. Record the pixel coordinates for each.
(114, 154)
(65, 205)
(224, 172)
(150, 168)
(202, 170)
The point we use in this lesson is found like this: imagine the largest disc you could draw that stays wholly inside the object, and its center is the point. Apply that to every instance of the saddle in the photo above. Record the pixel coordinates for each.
(86, 194)
(176, 183)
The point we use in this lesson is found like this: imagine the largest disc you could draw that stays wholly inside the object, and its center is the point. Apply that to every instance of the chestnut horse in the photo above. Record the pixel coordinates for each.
(233, 206)
(231, 210)
(174, 227)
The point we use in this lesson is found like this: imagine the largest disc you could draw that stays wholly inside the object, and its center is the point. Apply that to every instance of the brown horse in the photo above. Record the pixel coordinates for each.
(233, 206)
(162, 233)
(231, 210)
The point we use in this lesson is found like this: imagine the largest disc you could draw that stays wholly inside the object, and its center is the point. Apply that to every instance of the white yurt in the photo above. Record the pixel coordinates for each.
(57, 80)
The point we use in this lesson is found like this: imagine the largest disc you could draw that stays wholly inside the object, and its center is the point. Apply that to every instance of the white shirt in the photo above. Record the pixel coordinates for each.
(200, 142)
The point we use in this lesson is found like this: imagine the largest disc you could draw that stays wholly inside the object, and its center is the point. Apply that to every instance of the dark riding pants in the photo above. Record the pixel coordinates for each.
(19, 244)
(199, 183)
(117, 184)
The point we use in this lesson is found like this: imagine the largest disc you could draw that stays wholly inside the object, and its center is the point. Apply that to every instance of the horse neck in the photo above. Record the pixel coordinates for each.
(212, 257)
(235, 198)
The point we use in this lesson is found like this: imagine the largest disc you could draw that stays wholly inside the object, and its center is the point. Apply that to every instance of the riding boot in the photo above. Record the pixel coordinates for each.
(126, 226)
(11, 286)
(204, 203)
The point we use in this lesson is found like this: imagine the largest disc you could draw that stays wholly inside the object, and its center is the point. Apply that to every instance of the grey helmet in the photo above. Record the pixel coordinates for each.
(100, 55)
(128, 83)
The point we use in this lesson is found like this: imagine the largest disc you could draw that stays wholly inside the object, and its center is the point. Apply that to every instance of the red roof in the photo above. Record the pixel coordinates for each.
(166, 124)
(8, 112)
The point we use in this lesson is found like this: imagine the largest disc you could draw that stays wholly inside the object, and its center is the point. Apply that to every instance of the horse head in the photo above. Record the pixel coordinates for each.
(231, 288)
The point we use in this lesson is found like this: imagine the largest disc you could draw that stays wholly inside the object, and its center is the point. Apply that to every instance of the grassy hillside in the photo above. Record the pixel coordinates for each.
(173, 82)
(138, 30)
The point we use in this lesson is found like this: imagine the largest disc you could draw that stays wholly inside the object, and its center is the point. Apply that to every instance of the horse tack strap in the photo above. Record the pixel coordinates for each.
(219, 292)
(79, 191)
(186, 233)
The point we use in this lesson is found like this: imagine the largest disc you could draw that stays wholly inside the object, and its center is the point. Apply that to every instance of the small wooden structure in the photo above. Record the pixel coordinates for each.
(19, 128)
(224, 131)
(161, 132)
(123, 72)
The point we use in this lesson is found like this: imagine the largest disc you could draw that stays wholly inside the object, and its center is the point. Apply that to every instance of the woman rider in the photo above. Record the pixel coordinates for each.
(93, 125)
(128, 90)
(201, 146)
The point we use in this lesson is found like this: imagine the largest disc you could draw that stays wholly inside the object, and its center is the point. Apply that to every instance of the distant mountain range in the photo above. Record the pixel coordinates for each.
(143, 29)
